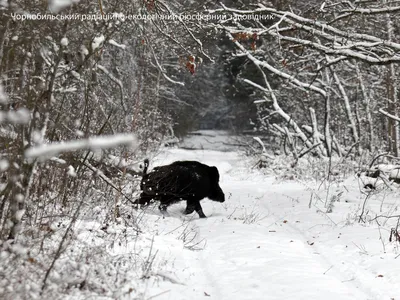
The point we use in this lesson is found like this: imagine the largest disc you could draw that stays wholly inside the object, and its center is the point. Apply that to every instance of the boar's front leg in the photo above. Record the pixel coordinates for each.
(165, 201)
(198, 209)
(194, 205)
(190, 207)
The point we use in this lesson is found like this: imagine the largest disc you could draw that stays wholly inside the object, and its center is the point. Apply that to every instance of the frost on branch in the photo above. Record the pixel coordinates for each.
(114, 43)
(97, 41)
(64, 42)
(57, 5)
(21, 116)
(101, 142)
(3, 96)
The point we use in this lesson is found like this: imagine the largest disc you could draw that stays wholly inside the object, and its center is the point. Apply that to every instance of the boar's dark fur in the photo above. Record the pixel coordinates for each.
(182, 180)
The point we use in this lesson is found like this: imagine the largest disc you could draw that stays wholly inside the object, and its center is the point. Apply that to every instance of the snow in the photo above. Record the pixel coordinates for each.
(57, 5)
(70, 89)
(19, 214)
(76, 75)
(271, 239)
(71, 171)
(20, 116)
(58, 160)
(64, 42)
(4, 164)
(391, 170)
(265, 242)
(91, 143)
(97, 41)
(3, 95)
(209, 140)
(84, 51)
(19, 198)
(112, 42)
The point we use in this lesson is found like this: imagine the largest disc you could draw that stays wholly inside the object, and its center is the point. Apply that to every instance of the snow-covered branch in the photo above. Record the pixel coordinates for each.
(279, 110)
(393, 117)
(117, 81)
(372, 11)
(20, 116)
(280, 73)
(365, 47)
(102, 142)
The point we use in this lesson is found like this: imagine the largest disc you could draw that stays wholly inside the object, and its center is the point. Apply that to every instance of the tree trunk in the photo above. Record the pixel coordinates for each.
(327, 130)
(393, 132)
(316, 133)
(366, 100)
(347, 107)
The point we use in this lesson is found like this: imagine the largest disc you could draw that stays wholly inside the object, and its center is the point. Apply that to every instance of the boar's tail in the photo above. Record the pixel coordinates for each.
(146, 166)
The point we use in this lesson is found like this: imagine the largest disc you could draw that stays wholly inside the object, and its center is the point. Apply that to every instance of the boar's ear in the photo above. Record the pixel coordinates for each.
(214, 174)
(146, 166)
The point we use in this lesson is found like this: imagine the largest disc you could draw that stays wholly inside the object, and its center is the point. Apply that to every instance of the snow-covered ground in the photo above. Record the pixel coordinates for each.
(268, 242)
(272, 238)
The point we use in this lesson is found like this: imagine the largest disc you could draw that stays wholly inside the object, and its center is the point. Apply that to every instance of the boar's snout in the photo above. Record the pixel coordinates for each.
(218, 195)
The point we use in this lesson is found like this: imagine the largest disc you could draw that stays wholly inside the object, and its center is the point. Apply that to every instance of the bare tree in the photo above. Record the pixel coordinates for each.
(315, 50)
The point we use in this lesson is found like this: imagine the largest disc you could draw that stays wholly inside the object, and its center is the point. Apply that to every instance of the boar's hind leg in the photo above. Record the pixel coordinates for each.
(199, 210)
(166, 200)
(190, 207)
(163, 207)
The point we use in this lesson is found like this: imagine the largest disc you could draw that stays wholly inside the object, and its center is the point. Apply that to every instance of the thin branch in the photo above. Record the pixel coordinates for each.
(390, 116)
